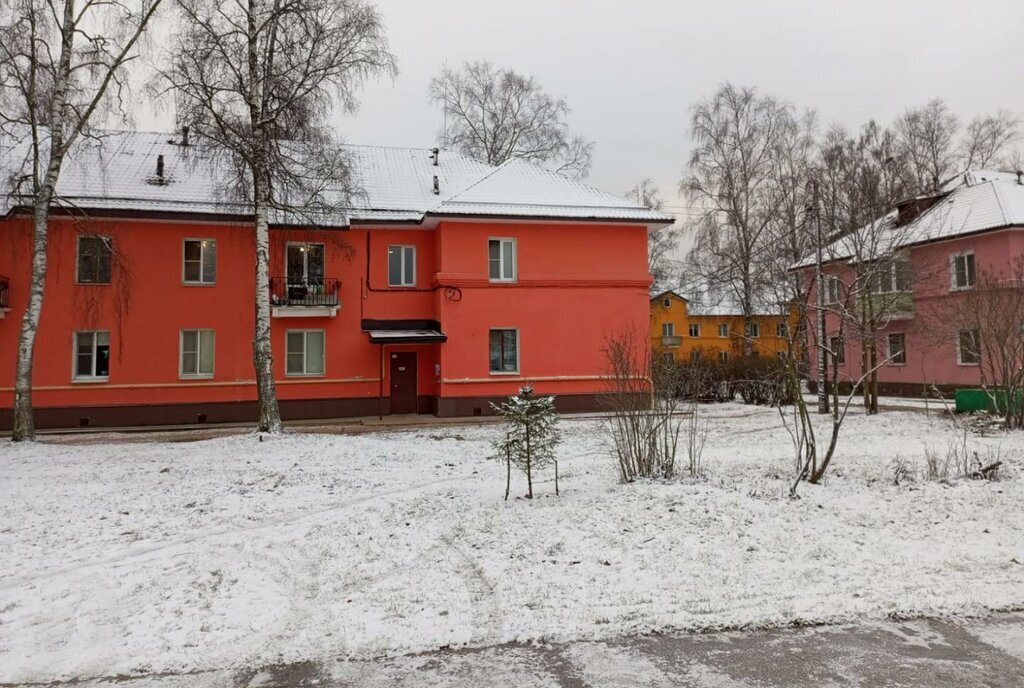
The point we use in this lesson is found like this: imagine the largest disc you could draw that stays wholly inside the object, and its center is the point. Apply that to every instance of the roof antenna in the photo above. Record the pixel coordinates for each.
(436, 152)
(437, 186)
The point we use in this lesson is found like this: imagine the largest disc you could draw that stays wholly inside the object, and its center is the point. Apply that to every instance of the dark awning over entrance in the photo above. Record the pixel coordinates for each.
(404, 331)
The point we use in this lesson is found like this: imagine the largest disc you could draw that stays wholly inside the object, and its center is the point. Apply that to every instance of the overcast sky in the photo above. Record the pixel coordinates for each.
(630, 70)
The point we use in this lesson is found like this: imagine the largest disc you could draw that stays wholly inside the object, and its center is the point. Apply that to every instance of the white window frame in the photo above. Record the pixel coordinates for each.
(200, 282)
(182, 374)
(781, 330)
(831, 285)
(754, 330)
(889, 352)
(402, 264)
(667, 302)
(959, 351)
(501, 259)
(723, 356)
(305, 354)
(841, 358)
(691, 329)
(75, 377)
(668, 357)
(953, 286)
(305, 261)
(78, 255)
(723, 334)
(519, 362)
(668, 329)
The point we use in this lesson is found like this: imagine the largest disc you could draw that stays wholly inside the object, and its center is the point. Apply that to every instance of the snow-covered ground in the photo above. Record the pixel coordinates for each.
(177, 556)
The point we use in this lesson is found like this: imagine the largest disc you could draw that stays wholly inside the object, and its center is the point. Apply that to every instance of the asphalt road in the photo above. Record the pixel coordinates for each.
(921, 653)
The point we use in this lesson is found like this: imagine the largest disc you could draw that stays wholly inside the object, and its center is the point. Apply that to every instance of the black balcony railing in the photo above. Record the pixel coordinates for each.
(310, 291)
(5, 292)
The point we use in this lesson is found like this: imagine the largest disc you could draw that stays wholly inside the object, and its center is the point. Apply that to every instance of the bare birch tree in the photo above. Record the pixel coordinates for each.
(62, 65)
(736, 134)
(495, 114)
(662, 242)
(926, 140)
(256, 80)
(864, 181)
(986, 139)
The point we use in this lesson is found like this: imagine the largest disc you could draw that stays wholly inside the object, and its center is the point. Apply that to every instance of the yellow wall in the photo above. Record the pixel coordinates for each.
(709, 343)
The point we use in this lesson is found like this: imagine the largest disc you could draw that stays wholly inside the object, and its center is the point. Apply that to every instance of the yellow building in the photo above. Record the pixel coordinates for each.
(681, 331)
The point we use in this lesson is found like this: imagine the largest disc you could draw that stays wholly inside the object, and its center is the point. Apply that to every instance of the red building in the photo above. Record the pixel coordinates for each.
(450, 284)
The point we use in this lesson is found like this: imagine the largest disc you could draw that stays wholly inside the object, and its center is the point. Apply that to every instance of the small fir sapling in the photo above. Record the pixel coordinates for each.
(530, 437)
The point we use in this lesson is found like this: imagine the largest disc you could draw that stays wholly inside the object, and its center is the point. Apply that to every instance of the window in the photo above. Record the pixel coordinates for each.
(305, 264)
(200, 265)
(968, 347)
(401, 266)
(897, 348)
(723, 330)
(93, 260)
(668, 357)
(782, 355)
(723, 356)
(196, 353)
(501, 255)
(668, 330)
(891, 277)
(753, 330)
(961, 270)
(505, 351)
(695, 356)
(781, 330)
(694, 329)
(831, 289)
(92, 355)
(305, 352)
(667, 303)
(838, 350)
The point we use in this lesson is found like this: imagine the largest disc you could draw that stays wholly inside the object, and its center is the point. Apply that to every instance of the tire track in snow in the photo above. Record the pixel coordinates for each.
(265, 524)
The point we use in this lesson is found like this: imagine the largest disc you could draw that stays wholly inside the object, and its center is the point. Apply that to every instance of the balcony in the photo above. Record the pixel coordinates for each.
(894, 305)
(308, 297)
(5, 296)
(672, 342)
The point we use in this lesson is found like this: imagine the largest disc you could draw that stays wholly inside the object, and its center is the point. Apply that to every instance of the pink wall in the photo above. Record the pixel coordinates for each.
(930, 336)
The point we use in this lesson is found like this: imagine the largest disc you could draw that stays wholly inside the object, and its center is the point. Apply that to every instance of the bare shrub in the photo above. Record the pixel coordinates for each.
(696, 437)
(643, 403)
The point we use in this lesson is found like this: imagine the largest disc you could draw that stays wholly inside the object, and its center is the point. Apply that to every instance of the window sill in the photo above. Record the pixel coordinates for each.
(196, 377)
(401, 286)
(968, 365)
(953, 290)
(185, 283)
(304, 375)
(89, 380)
(504, 372)
(91, 284)
(511, 280)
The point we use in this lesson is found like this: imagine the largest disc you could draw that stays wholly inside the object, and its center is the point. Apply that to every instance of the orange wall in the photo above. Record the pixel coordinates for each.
(577, 283)
(768, 343)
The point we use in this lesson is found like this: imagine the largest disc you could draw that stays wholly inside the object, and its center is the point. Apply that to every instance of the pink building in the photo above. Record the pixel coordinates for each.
(941, 244)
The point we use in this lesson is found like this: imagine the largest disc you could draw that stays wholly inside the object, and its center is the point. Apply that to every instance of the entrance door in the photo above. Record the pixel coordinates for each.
(403, 382)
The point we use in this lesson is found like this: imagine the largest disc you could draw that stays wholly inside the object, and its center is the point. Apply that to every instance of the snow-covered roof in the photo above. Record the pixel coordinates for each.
(975, 201)
(117, 172)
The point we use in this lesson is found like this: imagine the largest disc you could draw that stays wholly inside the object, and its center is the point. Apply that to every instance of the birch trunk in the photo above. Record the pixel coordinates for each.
(262, 355)
(24, 423)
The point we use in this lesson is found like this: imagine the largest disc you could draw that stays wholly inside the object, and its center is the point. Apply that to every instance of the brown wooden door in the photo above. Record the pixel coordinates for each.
(403, 382)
